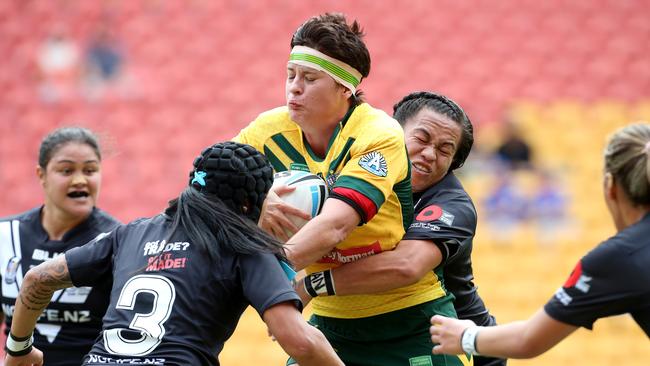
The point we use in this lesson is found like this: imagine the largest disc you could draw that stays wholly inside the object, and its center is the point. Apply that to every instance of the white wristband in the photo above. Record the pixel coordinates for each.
(468, 340)
(19, 346)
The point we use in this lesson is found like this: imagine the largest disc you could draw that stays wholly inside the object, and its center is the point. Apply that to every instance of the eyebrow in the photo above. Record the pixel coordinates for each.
(423, 130)
(64, 161)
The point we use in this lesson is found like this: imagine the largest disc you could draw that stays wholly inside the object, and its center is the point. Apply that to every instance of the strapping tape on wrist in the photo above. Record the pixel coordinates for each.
(320, 284)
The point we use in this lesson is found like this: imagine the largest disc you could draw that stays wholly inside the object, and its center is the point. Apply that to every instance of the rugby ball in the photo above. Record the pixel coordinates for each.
(309, 196)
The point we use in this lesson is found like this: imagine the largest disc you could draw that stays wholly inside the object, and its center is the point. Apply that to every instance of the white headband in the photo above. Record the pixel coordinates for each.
(343, 73)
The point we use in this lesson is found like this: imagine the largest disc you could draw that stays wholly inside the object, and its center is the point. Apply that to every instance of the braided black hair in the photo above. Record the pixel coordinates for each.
(411, 104)
(224, 199)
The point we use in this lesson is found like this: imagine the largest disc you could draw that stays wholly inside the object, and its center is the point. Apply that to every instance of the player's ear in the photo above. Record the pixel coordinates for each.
(346, 92)
(40, 173)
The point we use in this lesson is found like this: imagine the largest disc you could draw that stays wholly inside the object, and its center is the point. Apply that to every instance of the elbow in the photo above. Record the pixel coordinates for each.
(340, 231)
(30, 278)
(35, 281)
(300, 346)
(406, 272)
(301, 349)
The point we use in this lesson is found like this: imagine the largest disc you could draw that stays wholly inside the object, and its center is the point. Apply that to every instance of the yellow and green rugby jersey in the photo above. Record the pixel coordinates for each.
(366, 165)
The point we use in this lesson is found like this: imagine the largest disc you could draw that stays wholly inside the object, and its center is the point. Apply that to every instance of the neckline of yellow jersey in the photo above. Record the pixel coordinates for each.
(335, 134)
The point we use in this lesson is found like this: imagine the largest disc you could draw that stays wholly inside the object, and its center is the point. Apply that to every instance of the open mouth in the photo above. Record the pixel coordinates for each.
(78, 194)
(421, 168)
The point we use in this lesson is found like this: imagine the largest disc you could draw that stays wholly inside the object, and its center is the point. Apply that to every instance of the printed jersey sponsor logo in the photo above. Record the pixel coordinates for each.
(425, 226)
(300, 167)
(578, 280)
(99, 360)
(165, 255)
(375, 163)
(44, 255)
(341, 256)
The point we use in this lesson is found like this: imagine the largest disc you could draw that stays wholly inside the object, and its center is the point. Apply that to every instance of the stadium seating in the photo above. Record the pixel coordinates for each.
(198, 71)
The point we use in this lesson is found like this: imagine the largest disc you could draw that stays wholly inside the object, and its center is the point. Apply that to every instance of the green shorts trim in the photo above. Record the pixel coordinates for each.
(399, 338)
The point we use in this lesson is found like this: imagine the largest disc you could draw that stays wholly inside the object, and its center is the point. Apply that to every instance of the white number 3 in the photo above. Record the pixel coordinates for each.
(150, 325)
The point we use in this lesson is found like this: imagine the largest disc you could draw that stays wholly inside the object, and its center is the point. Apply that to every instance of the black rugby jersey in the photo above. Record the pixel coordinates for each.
(445, 214)
(612, 279)
(70, 324)
(170, 303)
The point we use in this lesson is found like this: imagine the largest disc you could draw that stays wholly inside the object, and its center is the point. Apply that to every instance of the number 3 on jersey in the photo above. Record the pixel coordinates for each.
(150, 325)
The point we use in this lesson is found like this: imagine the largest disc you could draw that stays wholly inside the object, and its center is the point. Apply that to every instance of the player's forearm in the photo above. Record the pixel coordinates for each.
(36, 292)
(378, 273)
(317, 238)
(522, 339)
(504, 341)
(405, 265)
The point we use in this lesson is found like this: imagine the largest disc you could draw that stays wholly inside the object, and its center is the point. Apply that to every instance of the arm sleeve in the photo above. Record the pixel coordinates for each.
(264, 282)
(93, 261)
(448, 220)
(599, 286)
(370, 175)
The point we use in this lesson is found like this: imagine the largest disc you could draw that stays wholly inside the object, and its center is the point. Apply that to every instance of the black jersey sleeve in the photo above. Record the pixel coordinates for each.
(264, 282)
(448, 220)
(92, 262)
(599, 286)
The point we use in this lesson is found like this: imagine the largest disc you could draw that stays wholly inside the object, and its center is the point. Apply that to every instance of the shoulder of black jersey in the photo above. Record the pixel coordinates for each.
(613, 256)
(449, 196)
(631, 241)
(29, 215)
(143, 221)
(105, 220)
(634, 238)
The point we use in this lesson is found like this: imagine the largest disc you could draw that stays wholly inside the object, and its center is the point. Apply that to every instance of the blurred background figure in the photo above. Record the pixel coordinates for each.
(548, 207)
(59, 65)
(505, 207)
(513, 151)
(104, 62)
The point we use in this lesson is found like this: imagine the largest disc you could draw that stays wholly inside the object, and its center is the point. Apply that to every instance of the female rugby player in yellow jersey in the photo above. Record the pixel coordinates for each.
(328, 129)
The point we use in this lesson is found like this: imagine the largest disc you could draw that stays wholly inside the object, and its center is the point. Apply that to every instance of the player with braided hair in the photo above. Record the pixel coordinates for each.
(439, 138)
(181, 279)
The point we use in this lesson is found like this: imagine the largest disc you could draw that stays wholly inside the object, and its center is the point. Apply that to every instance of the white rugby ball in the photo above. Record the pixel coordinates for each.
(309, 196)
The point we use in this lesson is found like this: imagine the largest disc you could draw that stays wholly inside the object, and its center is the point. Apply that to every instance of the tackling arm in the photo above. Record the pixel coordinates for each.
(521, 339)
(320, 235)
(403, 266)
(35, 294)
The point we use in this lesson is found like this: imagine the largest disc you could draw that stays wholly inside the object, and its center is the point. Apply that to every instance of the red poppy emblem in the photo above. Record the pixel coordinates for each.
(429, 213)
